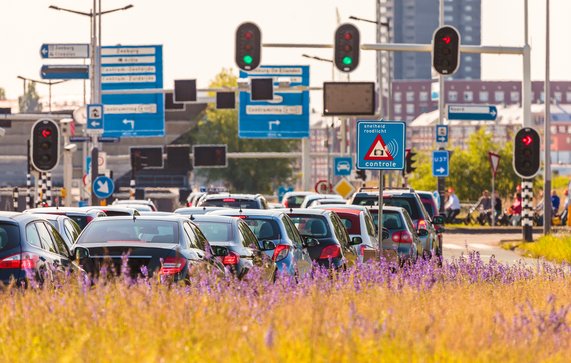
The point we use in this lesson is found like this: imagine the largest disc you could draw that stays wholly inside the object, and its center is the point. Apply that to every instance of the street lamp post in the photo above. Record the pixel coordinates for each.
(328, 129)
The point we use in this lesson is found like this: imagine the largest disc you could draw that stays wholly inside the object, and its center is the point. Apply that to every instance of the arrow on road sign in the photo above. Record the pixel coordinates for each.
(276, 122)
(103, 187)
(441, 170)
(95, 124)
(132, 122)
(472, 112)
(378, 150)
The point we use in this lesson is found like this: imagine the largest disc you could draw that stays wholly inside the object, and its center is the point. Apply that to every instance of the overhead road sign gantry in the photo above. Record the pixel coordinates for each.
(56, 51)
(472, 112)
(127, 69)
(286, 116)
(72, 71)
(381, 145)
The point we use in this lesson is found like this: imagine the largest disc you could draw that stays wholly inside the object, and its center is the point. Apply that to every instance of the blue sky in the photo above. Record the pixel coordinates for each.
(198, 36)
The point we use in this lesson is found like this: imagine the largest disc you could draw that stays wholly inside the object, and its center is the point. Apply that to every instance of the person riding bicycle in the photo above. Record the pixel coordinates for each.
(484, 204)
(452, 206)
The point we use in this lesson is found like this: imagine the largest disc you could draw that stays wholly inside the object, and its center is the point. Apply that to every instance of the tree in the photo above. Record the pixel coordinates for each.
(470, 171)
(241, 175)
(30, 100)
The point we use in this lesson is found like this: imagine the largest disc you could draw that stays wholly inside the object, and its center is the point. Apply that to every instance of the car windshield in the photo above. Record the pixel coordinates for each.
(310, 225)
(408, 203)
(155, 231)
(82, 221)
(391, 219)
(263, 228)
(216, 231)
(233, 203)
(9, 236)
(428, 206)
(295, 201)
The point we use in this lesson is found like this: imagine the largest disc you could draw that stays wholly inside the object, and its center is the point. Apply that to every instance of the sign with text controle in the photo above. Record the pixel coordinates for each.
(381, 145)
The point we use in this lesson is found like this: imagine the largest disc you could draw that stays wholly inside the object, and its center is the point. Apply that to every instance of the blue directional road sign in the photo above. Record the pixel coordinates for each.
(440, 163)
(284, 117)
(472, 112)
(343, 166)
(441, 133)
(133, 68)
(52, 51)
(103, 187)
(381, 145)
(73, 71)
(95, 118)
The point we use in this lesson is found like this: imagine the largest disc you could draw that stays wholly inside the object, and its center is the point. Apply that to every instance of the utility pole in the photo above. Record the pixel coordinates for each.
(547, 205)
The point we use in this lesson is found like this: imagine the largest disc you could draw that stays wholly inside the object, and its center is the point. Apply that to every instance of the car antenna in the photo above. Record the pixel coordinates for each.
(134, 217)
(191, 217)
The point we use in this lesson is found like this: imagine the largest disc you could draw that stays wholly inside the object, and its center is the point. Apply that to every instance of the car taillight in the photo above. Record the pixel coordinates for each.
(26, 261)
(362, 250)
(421, 224)
(172, 265)
(231, 259)
(280, 252)
(286, 203)
(402, 237)
(331, 251)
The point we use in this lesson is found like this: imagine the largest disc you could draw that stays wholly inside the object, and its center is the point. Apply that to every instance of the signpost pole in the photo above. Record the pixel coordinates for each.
(94, 173)
(441, 180)
(380, 215)
(493, 199)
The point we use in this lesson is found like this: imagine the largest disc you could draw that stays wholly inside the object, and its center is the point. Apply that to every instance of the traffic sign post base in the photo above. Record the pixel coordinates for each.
(527, 209)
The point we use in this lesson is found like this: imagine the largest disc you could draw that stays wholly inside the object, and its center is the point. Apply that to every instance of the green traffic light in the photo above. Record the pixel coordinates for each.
(347, 60)
(248, 59)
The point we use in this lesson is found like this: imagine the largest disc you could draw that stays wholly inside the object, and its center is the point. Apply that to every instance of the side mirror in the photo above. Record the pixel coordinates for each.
(80, 253)
(267, 245)
(422, 232)
(310, 241)
(356, 241)
(219, 251)
(438, 220)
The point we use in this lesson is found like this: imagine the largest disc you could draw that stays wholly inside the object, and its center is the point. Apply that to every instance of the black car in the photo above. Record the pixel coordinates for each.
(30, 247)
(171, 246)
(234, 201)
(80, 216)
(244, 249)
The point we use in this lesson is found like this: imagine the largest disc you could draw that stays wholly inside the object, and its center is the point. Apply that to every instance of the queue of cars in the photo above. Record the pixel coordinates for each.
(223, 232)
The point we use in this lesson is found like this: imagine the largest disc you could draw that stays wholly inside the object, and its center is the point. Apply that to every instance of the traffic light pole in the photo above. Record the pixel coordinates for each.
(441, 180)
(527, 209)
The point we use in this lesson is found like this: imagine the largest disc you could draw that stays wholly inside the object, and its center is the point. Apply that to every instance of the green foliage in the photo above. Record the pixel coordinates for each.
(30, 100)
(470, 171)
(241, 175)
(552, 247)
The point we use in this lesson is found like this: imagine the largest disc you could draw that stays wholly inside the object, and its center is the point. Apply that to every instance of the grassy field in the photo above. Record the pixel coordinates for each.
(554, 248)
(466, 311)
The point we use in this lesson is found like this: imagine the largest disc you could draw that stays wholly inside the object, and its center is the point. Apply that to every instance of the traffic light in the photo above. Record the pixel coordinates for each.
(446, 50)
(361, 174)
(248, 46)
(526, 152)
(45, 145)
(347, 47)
(409, 162)
(209, 156)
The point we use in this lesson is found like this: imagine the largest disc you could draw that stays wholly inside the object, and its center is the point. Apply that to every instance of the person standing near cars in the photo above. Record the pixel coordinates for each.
(452, 206)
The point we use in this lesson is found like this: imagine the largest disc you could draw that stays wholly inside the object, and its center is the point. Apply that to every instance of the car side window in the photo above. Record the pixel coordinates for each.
(340, 230)
(70, 231)
(45, 237)
(32, 235)
(370, 225)
(248, 238)
(59, 242)
(292, 232)
(190, 237)
(201, 239)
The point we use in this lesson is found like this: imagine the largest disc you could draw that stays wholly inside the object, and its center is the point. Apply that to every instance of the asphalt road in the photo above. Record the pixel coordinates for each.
(487, 244)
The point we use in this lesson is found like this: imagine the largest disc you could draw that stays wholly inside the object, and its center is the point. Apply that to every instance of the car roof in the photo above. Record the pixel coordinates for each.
(214, 218)
(19, 217)
(62, 210)
(189, 210)
(133, 201)
(298, 194)
(308, 211)
(344, 211)
(340, 206)
(387, 208)
(231, 195)
(248, 212)
(149, 217)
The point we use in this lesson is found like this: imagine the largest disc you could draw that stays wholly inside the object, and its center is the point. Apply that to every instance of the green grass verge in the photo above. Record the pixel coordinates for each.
(554, 248)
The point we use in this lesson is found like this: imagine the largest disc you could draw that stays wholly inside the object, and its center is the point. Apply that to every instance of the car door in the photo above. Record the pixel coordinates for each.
(51, 255)
(302, 258)
(343, 238)
(61, 247)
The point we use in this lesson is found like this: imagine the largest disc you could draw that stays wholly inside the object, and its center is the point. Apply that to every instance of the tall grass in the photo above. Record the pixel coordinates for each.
(553, 247)
(465, 311)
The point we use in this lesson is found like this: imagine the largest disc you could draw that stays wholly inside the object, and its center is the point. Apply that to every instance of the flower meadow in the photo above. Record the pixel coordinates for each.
(463, 311)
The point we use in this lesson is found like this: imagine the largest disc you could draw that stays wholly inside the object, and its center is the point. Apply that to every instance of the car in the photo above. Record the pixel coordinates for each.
(320, 202)
(30, 247)
(80, 216)
(431, 205)
(193, 211)
(66, 227)
(171, 247)
(311, 199)
(234, 201)
(334, 247)
(244, 249)
(403, 238)
(291, 252)
(135, 203)
(409, 200)
(358, 224)
(193, 198)
(294, 199)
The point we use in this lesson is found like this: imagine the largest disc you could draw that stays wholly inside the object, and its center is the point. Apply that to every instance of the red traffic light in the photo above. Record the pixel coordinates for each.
(248, 35)
(46, 133)
(446, 39)
(348, 36)
(527, 140)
